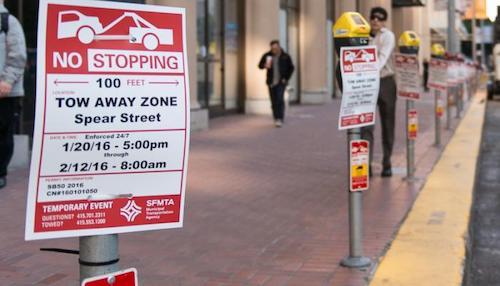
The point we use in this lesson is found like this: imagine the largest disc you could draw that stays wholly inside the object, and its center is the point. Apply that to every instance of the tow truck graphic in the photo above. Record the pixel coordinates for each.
(360, 56)
(72, 24)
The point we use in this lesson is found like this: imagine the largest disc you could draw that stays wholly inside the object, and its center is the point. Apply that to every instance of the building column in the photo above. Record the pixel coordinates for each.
(344, 6)
(199, 116)
(313, 52)
(414, 19)
(261, 26)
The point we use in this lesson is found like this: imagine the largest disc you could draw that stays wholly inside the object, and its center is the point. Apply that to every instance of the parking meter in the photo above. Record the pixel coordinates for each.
(409, 43)
(437, 56)
(437, 50)
(351, 29)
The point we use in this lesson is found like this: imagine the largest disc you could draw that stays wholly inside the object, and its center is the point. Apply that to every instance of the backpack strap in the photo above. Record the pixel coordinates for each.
(4, 22)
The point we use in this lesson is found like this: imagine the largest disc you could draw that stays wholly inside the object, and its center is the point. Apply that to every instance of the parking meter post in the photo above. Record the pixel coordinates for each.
(351, 29)
(98, 255)
(355, 258)
(410, 143)
(448, 108)
(437, 117)
(437, 51)
(409, 43)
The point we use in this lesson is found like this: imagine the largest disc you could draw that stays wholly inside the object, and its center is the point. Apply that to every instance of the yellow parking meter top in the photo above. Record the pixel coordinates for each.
(351, 25)
(409, 39)
(437, 50)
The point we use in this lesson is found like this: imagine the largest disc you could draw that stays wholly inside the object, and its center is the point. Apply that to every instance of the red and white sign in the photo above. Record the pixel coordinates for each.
(359, 171)
(407, 76)
(360, 81)
(126, 277)
(412, 124)
(111, 140)
(438, 73)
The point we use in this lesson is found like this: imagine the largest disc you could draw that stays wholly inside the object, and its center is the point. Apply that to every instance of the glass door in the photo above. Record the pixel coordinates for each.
(210, 66)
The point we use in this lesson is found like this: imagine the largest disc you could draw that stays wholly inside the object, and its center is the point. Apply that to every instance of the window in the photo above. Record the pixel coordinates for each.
(69, 17)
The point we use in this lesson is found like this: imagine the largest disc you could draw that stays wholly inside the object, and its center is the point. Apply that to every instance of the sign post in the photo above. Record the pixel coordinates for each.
(438, 70)
(360, 82)
(358, 79)
(452, 82)
(112, 125)
(409, 87)
(461, 85)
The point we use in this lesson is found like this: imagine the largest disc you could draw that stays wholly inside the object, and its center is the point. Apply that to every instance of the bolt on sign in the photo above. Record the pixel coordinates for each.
(359, 158)
(412, 124)
(407, 76)
(126, 277)
(360, 81)
(112, 119)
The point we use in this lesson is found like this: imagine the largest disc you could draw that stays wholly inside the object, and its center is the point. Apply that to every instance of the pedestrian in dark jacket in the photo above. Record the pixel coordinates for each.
(12, 63)
(279, 68)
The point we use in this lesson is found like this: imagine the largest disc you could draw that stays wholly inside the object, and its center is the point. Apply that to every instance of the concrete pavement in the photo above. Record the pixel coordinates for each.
(264, 206)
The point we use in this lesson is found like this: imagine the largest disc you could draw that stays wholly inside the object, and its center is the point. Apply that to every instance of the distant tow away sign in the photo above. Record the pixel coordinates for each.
(407, 76)
(111, 133)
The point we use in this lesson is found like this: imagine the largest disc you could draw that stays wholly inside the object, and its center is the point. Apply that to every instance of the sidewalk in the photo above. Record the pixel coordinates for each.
(264, 206)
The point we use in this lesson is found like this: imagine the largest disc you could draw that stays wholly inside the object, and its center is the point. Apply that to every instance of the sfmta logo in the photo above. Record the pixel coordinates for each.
(130, 211)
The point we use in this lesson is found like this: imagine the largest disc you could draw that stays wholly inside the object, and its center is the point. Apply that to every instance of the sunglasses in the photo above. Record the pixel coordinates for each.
(378, 17)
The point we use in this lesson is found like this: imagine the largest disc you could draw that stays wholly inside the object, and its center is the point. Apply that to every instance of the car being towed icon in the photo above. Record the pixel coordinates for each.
(88, 28)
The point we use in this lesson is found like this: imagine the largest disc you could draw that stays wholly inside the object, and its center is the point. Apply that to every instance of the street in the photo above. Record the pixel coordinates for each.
(483, 255)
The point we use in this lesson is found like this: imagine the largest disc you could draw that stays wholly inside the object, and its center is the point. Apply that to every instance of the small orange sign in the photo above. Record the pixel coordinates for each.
(412, 124)
(359, 158)
(439, 107)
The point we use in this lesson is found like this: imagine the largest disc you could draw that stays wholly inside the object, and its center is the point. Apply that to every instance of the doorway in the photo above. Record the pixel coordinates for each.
(218, 55)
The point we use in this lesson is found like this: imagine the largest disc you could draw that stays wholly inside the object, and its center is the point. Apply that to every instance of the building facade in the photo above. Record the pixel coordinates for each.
(226, 39)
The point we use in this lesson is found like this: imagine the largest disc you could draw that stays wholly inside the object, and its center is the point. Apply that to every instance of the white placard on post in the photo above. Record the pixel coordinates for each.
(111, 133)
(408, 79)
(360, 84)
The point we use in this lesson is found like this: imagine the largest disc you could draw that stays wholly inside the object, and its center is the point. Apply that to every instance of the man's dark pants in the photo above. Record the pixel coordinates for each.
(387, 110)
(8, 109)
(277, 94)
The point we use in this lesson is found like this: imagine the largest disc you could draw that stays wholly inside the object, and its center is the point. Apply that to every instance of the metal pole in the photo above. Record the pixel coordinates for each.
(98, 255)
(410, 144)
(452, 32)
(448, 107)
(355, 258)
(437, 117)
(458, 101)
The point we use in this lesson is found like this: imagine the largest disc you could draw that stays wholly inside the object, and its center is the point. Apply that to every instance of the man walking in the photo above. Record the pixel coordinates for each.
(12, 63)
(384, 40)
(279, 68)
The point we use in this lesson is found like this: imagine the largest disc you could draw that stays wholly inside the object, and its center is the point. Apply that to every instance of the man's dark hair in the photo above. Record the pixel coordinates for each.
(274, 42)
(379, 11)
